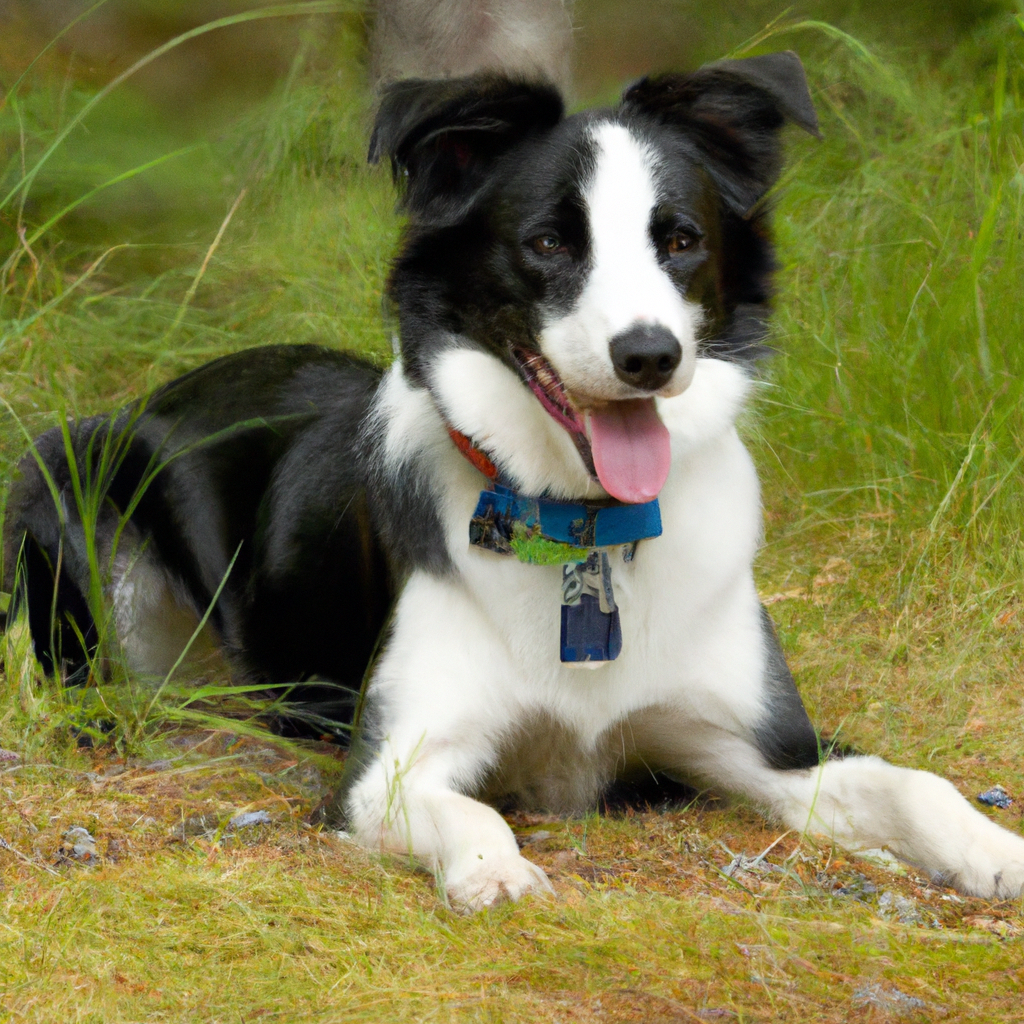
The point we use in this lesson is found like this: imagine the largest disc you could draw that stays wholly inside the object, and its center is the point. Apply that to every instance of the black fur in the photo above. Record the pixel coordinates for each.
(258, 454)
(731, 112)
(489, 165)
(785, 737)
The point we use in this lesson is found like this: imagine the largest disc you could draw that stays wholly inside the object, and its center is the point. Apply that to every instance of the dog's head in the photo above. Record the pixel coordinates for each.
(619, 244)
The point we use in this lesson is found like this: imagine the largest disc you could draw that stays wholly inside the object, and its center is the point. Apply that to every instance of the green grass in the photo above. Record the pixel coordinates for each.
(889, 432)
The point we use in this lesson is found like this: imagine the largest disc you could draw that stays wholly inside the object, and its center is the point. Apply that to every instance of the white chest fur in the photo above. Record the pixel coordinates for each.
(678, 596)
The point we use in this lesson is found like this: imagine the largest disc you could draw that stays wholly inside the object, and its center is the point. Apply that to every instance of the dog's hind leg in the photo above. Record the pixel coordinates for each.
(766, 751)
(45, 566)
(439, 703)
(154, 617)
(866, 803)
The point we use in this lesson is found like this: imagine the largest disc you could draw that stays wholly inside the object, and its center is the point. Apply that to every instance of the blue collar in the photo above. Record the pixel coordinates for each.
(547, 532)
(575, 535)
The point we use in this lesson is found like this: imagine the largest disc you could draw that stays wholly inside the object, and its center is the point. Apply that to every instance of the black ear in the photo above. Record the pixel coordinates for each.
(733, 110)
(444, 135)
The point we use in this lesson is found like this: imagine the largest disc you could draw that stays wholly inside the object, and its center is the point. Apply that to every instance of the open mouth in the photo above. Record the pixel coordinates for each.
(631, 448)
(623, 443)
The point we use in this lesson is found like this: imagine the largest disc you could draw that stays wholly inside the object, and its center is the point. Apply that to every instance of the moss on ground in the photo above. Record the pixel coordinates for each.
(182, 919)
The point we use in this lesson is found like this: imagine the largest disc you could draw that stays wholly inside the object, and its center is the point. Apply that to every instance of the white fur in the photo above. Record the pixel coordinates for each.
(485, 400)
(473, 663)
(155, 621)
(626, 285)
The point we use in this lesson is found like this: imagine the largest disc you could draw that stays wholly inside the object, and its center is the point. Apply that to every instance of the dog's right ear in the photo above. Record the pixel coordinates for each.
(442, 136)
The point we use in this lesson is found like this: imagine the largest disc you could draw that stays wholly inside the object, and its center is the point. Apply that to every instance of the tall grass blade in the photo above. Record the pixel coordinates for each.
(307, 8)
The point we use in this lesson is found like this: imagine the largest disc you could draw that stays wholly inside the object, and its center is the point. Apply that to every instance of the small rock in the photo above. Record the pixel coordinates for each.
(82, 848)
(857, 886)
(9, 756)
(248, 819)
(891, 1000)
(749, 865)
(882, 859)
(996, 797)
(905, 910)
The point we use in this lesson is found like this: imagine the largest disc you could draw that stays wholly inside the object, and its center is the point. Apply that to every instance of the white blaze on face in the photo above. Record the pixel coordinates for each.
(627, 285)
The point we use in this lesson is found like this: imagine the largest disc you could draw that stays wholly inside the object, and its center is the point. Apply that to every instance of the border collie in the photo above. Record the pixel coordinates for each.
(547, 483)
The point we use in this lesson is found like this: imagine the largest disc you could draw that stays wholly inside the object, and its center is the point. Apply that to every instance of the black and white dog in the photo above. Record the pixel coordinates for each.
(549, 479)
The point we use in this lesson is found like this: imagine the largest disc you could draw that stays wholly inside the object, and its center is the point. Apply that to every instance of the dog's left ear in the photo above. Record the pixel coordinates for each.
(443, 136)
(733, 110)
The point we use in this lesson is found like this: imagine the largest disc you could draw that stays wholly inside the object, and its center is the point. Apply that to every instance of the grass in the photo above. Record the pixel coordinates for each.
(889, 432)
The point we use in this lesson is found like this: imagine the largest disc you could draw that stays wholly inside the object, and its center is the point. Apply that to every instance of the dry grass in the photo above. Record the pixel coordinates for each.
(182, 919)
(281, 922)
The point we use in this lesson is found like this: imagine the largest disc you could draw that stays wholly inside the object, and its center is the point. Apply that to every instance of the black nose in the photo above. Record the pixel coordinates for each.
(645, 356)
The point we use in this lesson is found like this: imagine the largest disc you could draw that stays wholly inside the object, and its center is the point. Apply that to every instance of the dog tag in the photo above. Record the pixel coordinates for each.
(590, 617)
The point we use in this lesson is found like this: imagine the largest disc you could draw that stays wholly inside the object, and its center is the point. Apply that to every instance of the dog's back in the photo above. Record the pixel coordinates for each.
(243, 477)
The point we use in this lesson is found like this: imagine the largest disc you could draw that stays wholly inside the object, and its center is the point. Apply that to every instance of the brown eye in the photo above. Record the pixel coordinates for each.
(547, 245)
(679, 242)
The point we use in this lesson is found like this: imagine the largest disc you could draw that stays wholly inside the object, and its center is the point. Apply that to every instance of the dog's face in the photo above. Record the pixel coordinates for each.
(618, 244)
(608, 226)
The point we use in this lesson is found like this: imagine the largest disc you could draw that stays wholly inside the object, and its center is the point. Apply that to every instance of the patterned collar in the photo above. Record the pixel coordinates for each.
(578, 536)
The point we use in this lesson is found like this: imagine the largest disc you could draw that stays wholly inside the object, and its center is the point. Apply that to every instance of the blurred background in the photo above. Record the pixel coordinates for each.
(212, 90)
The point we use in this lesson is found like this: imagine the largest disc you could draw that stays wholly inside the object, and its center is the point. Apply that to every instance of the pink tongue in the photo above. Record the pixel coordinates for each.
(631, 449)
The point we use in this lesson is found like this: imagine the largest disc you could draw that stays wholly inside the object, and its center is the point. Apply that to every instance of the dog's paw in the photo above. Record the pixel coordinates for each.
(484, 883)
(994, 868)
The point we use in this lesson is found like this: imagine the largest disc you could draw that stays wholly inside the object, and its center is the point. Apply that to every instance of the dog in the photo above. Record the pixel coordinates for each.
(542, 509)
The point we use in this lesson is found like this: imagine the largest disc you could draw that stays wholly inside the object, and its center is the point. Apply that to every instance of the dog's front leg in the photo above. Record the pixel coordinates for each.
(764, 749)
(468, 846)
(438, 705)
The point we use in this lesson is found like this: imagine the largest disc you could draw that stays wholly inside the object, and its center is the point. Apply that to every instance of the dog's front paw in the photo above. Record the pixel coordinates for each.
(486, 881)
(995, 867)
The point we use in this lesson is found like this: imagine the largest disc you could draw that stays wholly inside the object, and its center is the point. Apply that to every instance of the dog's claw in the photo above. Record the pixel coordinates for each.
(486, 885)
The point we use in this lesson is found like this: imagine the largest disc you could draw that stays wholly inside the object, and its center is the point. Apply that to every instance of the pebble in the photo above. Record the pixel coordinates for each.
(750, 865)
(906, 911)
(82, 846)
(890, 1000)
(858, 886)
(996, 797)
(883, 859)
(209, 825)
(248, 819)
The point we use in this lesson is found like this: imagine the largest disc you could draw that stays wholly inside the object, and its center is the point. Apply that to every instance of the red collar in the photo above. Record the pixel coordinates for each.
(475, 455)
